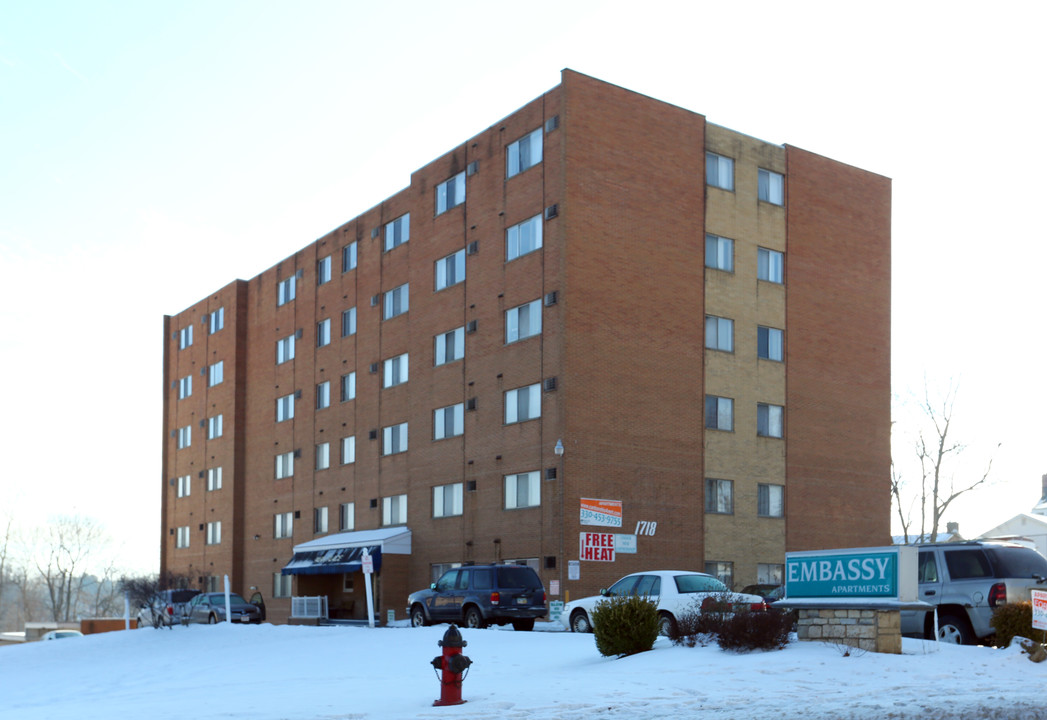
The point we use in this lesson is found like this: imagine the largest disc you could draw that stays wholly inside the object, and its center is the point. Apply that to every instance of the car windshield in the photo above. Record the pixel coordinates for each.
(518, 577)
(1018, 562)
(698, 583)
(181, 596)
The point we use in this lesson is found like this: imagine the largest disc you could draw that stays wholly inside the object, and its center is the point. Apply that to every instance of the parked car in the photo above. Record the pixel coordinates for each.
(479, 595)
(165, 608)
(769, 593)
(61, 634)
(674, 591)
(967, 581)
(210, 608)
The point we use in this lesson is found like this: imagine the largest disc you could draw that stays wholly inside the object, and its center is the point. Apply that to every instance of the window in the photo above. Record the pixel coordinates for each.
(281, 585)
(323, 333)
(323, 395)
(395, 371)
(284, 465)
(397, 232)
(719, 413)
(394, 510)
(216, 320)
(285, 290)
(769, 420)
(320, 520)
(523, 321)
(448, 421)
(346, 516)
(349, 450)
(770, 500)
(524, 153)
(285, 408)
(323, 270)
(719, 171)
(719, 333)
(214, 479)
(523, 238)
(185, 436)
(771, 187)
(215, 373)
(967, 564)
(285, 350)
(447, 500)
(723, 571)
(522, 490)
(770, 265)
(214, 532)
(450, 270)
(719, 496)
(185, 387)
(769, 343)
(449, 346)
(283, 525)
(394, 439)
(719, 253)
(523, 404)
(182, 537)
(349, 257)
(349, 322)
(396, 301)
(185, 337)
(214, 427)
(184, 486)
(349, 386)
(770, 573)
(450, 193)
(323, 456)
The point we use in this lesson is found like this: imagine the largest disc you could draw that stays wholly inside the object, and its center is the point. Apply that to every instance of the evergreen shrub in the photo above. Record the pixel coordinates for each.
(625, 625)
(1010, 620)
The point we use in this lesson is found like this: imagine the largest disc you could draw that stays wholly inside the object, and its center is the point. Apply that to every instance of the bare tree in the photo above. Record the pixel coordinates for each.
(65, 548)
(896, 491)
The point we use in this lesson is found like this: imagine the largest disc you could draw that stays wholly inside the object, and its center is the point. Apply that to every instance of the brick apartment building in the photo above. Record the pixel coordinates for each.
(602, 315)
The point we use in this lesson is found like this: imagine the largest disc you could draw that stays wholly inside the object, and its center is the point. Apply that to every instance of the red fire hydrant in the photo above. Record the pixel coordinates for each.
(452, 666)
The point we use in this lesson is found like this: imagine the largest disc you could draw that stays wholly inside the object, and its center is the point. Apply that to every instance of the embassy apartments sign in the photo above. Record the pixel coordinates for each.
(880, 572)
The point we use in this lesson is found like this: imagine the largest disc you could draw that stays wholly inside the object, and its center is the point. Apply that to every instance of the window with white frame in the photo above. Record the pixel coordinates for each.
(771, 187)
(769, 343)
(397, 232)
(285, 349)
(323, 395)
(450, 193)
(284, 465)
(349, 450)
(770, 573)
(523, 153)
(348, 387)
(449, 346)
(281, 585)
(285, 290)
(394, 510)
(450, 270)
(285, 408)
(214, 427)
(447, 500)
(185, 337)
(323, 333)
(523, 404)
(283, 525)
(394, 439)
(719, 252)
(214, 479)
(769, 420)
(770, 265)
(523, 238)
(349, 322)
(323, 456)
(346, 516)
(448, 421)
(719, 496)
(215, 373)
(523, 490)
(719, 171)
(396, 301)
(184, 485)
(323, 270)
(185, 387)
(523, 321)
(719, 413)
(395, 371)
(214, 532)
(770, 500)
(185, 436)
(349, 257)
(320, 520)
(719, 333)
(182, 537)
(216, 320)
(722, 571)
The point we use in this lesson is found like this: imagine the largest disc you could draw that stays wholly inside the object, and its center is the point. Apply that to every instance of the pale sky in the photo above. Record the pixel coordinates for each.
(151, 153)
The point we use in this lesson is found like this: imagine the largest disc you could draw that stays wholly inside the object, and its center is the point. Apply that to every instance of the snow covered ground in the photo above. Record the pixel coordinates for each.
(272, 672)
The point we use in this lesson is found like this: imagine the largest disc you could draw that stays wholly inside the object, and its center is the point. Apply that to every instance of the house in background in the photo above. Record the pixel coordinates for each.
(1028, 528)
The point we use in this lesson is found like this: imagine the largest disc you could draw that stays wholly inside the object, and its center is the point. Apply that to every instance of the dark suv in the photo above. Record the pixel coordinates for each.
(967, 581)
(478, 595)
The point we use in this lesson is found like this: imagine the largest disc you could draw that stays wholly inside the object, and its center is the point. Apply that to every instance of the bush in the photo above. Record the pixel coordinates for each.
(1010, 620)
(695, 627)
(625, 625)
(755, 631)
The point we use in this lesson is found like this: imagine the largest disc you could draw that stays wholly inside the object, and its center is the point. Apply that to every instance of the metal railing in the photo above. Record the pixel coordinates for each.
(309, 607)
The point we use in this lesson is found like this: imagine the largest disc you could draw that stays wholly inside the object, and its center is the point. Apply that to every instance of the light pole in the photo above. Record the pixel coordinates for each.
(558, 449)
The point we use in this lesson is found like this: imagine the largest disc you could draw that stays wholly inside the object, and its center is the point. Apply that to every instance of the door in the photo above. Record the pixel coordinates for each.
(929, 580)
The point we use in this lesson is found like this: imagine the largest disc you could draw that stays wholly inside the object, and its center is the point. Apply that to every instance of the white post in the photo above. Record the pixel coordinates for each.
(368, 568)
(127, 611)
(228, 609)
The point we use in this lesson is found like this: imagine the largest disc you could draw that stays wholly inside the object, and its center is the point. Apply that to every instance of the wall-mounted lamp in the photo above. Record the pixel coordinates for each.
(559, 448)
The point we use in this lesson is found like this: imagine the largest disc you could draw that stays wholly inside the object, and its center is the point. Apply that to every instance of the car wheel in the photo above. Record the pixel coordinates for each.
(212, 619)
(580, 622)
(418, 617)
(666, 624)
(473, 618)
(525, 624)
(954, 629)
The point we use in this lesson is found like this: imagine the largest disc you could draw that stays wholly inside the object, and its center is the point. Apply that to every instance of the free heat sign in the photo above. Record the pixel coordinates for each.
(852, 573)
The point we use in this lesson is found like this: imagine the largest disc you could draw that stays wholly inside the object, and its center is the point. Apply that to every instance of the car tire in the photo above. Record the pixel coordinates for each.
(955, 629)
(666, 624)
(580, 622)
(212, 619)
(523, 625)
(473, 618)
(418, 617)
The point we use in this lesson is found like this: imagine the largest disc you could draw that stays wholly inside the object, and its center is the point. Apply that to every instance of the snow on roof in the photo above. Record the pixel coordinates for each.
(394, 541)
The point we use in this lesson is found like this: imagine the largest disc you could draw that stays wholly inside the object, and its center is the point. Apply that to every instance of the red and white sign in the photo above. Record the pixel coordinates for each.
(607, 513)
(367, 564)
(1039, 609)
(596, 546)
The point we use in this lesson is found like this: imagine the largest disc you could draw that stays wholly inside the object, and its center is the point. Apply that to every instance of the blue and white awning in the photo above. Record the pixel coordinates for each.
(343, 552)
